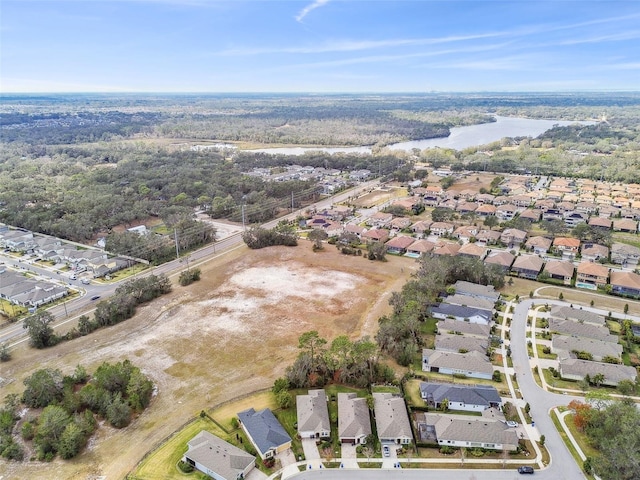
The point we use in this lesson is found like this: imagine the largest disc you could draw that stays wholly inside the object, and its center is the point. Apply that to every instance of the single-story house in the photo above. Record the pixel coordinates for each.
(421, 228)
(468, 398)
(486, 210)
(375, 235)
(469, 301)
(625, 283)
(600, 222)
(463, 328)
(398, 245)
(354, 423)
(445, 248)
(488, 237)
(531, 214)
(399, 223)
(420, 247)
(313, 415)
(502, 258)
(575, 369)
(265, 432)
(471, 364)
(472, 250)
(392, 419)
(353, 229)
(625, 225)
(588, 330)
(527, 266)
(559, 270)
(591, 275)
(567, 246)
(566, 347)
(462, 313)
(465, 233)
(489, 431)
(576, 314)
(446, 342)
(218, 459)
(471, 289)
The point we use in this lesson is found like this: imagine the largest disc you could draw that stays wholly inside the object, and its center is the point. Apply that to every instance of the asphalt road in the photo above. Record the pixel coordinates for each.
(415, 474)
(70, 310)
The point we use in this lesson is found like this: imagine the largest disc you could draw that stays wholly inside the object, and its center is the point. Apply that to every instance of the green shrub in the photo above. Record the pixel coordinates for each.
(185, 467)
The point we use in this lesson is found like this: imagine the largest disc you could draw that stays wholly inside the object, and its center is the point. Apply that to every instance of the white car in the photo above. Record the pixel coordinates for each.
(511, 423)
(386, 451)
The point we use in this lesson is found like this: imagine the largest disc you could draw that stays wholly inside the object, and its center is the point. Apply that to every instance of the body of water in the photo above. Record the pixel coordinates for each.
(459, 139)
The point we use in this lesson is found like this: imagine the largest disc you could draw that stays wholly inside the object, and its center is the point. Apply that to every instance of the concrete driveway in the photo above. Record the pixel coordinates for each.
(349, 456)
(288, 462)
(311, 453)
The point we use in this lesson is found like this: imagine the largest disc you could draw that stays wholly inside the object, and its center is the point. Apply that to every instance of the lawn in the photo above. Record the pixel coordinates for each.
(565, 439)
(541, 354)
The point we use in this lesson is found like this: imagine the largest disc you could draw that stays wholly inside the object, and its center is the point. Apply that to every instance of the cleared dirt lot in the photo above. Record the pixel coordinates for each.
(230, 334)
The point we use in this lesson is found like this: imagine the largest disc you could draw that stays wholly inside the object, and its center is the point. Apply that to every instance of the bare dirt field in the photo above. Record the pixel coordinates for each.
(230, 334)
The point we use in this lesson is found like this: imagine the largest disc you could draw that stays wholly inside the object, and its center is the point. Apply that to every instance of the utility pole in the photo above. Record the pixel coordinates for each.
(175, 237)
(292, 201)
(243, 224)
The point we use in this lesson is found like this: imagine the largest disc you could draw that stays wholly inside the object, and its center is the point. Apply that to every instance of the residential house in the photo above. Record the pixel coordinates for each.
(576, 314)
(559, 270)
(532, 215)
(469, 301)
(419, 248)
(625, 283)
(352, 229)
(594, 252)
(501, 258)
(573, 218)
(17, 240)
(486, 210)
(569, 346)
(476, 290)
(379, 220)
(266, 434)
(544, 204)
(485, 198)
(625, 254)
(216, 458)
(552, 214)
(513, 237)
(522, 201)
(625, 225)
(575, 369)
(527, 266)
(442, 228)
(588, 330)
(399, 223)
(354, 424)
(375, 235)
(567, 246)
(489, 431)
(591, 275)
(506, 212)
(472, 250)
(398, 245)
(466, 207)
(465, 233)
(471, 364)
(467, 398)
(457, 327)
(460, 344)
(488, 237)
(538, 245)
(586, 207)
(421, 228)
(313, 415)
(443, 248)
(607, 211)
(392, 419)
(600, 222)
(459, 312)
(566, 206)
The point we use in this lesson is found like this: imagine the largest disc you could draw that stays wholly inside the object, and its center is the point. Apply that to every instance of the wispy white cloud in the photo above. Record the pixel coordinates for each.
(615, 37)
(309, 8)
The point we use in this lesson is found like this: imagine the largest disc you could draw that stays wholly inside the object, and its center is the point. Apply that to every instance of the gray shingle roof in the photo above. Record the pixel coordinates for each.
(588, 330)
(613, 373)
(218, 456)
(313, 413)
(469, 301)
(467, 394)
(468, 288)
(462, 428)
(576, 314)
(471, 362)
(597, 348)
(392, 420)
(454, 343)
(353, 416)
(460, 311)
(264, 428)
(466, 328)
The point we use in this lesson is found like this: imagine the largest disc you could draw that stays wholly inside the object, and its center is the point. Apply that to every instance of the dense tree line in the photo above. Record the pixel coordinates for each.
(258, 237)
(400, 334)
(71, 407)
(352, 363)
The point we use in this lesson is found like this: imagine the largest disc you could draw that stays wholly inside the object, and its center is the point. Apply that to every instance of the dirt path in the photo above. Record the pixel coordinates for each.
(230, 334)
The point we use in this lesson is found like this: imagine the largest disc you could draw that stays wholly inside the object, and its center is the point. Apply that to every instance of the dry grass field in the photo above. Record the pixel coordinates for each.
(226, 336)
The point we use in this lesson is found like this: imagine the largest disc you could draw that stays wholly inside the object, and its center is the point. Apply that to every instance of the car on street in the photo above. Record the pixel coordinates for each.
(95, 297)
(386, 451)
(525, 469)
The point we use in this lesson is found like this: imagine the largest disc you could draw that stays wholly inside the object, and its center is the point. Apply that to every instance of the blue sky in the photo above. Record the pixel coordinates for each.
(318, 45)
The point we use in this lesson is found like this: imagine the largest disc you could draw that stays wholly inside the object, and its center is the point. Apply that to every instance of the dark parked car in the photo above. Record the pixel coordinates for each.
(525, 469)
(95, 297)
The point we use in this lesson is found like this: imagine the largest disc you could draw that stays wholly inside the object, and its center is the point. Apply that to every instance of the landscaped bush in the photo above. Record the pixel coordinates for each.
(185, 467)
(447, 450)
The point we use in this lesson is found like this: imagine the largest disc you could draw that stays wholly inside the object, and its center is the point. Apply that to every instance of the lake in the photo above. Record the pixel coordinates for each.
(459, 139)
